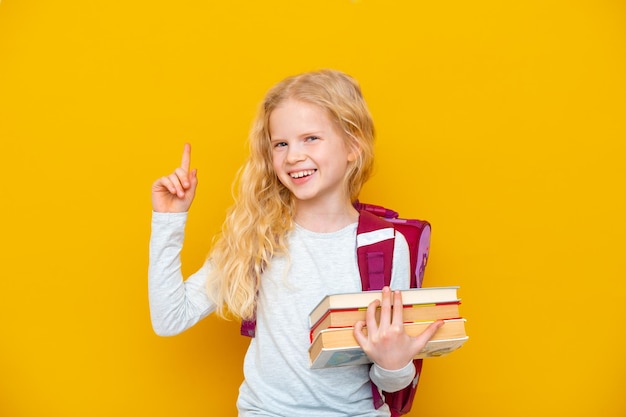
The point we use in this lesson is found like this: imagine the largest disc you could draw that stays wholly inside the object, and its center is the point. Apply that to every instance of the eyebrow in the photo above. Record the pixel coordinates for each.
(307, 133)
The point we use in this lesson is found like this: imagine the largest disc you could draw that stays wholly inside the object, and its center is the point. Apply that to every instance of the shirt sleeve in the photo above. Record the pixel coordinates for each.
(175, 304)
(392, 381)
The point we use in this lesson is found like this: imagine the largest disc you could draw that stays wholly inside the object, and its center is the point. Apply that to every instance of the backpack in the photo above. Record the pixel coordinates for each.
(375, 244)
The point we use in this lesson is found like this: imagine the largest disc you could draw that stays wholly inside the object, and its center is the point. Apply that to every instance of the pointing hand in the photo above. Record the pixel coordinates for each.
(174, 193)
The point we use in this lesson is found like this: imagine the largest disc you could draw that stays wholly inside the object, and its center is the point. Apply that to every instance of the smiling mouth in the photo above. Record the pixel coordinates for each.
(302, 174)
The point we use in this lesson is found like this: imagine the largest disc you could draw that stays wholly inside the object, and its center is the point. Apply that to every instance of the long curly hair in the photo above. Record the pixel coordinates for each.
(257, 224)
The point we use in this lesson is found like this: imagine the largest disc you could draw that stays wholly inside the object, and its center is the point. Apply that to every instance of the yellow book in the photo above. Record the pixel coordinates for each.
(411, 313)
(338, 347)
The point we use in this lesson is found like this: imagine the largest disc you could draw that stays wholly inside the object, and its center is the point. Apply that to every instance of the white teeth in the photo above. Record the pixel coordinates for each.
(301, 174)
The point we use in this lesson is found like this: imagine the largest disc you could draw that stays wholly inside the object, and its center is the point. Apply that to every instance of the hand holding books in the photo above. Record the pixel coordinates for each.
(386, 342)
(342, 323)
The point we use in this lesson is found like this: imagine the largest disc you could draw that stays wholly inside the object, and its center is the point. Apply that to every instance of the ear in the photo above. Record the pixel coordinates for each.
(355, 151)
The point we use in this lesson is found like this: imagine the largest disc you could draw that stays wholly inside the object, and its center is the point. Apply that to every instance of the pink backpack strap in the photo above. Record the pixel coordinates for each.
(375, 239)
(375, 244)
(375, 256)
(248, 327)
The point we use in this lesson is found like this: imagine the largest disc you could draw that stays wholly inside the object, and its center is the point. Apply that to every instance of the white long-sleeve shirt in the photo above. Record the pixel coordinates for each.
(278, 379)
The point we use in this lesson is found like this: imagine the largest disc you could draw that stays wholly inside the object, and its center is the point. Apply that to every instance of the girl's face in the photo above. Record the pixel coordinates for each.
(309, 153)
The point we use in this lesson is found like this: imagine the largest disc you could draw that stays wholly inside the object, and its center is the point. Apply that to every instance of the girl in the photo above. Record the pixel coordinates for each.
(289, 240)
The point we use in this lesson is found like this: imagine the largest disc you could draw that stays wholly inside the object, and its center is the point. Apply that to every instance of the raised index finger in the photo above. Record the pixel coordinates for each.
(186, 161)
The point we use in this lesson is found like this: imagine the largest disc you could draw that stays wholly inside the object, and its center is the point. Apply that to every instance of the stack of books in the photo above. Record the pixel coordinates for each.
(332, 324)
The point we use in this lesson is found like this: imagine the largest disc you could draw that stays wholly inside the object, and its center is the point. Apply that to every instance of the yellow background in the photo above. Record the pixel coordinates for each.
(500, 122)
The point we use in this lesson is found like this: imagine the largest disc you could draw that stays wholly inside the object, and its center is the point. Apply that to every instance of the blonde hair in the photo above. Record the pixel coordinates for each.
(257, 224)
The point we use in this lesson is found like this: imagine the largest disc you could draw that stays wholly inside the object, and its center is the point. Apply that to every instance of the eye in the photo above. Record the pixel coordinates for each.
(311, 138)
(279, 144)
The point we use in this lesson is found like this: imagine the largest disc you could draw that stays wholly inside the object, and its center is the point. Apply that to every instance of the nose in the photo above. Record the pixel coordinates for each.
(295, 153)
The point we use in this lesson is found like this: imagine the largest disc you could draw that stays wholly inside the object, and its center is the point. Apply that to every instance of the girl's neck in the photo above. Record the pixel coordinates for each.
(325, 219)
